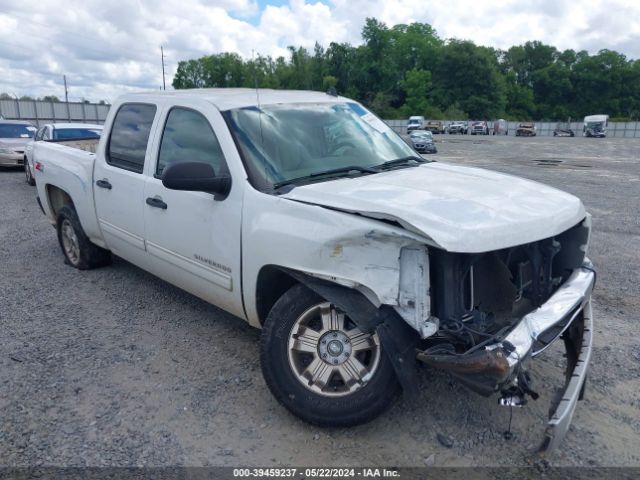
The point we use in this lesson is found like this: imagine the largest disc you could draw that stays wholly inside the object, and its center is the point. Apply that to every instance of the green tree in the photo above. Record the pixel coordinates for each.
(454, 112)
(416, 86)
(599, 83)
(407, 69)
(329, 82)
(189, 74)
(340, 62)
(223, 70)
(469, 75)
(525, 59)
(376, 63)
(520, 104)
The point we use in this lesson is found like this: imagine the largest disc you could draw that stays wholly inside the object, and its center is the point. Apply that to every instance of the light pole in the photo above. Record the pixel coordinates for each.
(17, 106)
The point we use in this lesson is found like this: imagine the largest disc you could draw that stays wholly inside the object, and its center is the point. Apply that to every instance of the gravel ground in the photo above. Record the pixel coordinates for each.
(115, 367)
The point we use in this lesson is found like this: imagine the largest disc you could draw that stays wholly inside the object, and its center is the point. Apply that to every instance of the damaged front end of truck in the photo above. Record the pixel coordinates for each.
(469, 271)
(497, 310)
(483, 316)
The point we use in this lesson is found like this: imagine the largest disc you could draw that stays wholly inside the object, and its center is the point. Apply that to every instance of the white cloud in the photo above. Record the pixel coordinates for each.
(106, 47)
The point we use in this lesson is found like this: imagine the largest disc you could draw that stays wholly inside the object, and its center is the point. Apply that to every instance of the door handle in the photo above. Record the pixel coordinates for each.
(104, 184)
(156, 202)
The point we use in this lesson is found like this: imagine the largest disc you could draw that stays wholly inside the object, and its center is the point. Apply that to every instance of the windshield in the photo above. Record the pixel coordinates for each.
(71, 133)
(284, 142)
(595, 125)
(16, 130)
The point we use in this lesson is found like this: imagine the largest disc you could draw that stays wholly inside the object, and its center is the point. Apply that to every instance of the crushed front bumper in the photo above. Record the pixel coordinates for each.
(495, 368)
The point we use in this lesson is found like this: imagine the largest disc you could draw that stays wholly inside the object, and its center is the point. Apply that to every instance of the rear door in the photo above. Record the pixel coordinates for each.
(193, 240)
(119, 180)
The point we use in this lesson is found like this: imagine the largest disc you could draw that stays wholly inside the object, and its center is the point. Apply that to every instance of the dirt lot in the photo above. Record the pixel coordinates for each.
(116, 367)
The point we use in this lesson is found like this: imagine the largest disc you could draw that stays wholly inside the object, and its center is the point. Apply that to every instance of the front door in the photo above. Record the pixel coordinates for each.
(193, 240)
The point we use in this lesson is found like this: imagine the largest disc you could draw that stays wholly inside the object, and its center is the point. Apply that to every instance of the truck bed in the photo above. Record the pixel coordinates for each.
(85, 144)
(69, 167)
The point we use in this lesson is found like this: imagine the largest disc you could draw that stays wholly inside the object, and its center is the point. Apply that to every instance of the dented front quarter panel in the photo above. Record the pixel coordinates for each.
(344, 248)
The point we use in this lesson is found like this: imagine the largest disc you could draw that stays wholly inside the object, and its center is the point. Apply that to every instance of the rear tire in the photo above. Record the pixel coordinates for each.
(27, 172)
(320, 366)
(78, 250)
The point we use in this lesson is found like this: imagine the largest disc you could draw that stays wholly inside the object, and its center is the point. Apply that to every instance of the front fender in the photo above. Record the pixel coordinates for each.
(343, 248)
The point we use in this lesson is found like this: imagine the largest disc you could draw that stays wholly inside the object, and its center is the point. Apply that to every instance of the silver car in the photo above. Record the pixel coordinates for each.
(423, 141)
(14, 136)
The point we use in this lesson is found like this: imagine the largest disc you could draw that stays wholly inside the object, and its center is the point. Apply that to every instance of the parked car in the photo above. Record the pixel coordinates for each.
(479, 128)
(563, 129)
(500, 127)
(72, 134)
(595, 126)
(457, 128)
(14, 136)
(526, 129)
(423, 141)
(354, 255)
(415, 123)
(434, 126)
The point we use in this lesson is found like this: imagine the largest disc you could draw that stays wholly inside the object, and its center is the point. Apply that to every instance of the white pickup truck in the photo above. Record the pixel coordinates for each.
(305, 215)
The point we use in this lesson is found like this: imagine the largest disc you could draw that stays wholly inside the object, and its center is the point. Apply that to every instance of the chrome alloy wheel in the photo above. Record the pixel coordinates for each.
(329, 355)
(70, 242)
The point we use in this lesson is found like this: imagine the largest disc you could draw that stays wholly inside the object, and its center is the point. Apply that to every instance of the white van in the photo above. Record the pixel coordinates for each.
(415, 123)
(595, 126)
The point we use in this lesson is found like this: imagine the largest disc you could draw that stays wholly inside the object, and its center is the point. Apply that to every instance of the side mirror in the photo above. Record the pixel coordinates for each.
(196, 177)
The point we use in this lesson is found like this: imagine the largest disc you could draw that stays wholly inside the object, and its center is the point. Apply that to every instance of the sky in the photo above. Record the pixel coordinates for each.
(109, 47)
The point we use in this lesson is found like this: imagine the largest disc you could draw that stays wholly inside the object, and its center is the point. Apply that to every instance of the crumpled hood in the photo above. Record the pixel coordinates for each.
(462, 209)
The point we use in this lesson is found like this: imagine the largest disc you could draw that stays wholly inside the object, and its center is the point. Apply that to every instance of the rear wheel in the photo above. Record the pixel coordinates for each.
(27, 172)
(320, 366)
(78, 250)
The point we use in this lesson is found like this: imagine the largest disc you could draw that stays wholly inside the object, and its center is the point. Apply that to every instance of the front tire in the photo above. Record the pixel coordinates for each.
(320, 366)
(78, 250)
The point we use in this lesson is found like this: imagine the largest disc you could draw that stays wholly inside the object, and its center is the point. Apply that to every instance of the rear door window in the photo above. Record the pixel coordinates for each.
(129, 136)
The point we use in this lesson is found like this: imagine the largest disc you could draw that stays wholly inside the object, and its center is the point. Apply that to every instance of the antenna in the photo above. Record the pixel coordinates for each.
(164, 86)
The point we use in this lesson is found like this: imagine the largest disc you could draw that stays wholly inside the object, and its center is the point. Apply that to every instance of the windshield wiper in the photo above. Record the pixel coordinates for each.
(411, 160)
(325, 173)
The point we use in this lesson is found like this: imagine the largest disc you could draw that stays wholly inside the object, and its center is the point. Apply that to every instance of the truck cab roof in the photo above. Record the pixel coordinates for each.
(231, 98)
